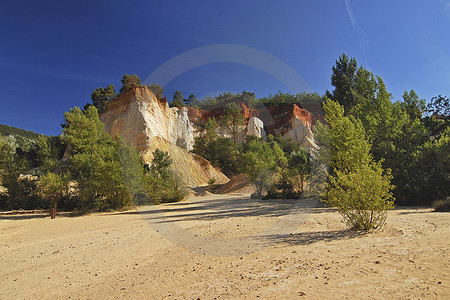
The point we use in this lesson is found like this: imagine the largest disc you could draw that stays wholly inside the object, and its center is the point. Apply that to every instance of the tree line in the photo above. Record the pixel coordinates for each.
(373, 151)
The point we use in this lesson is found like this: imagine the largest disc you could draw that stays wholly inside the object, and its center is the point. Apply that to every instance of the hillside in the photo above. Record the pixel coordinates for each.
(23, 138)
(6, 130)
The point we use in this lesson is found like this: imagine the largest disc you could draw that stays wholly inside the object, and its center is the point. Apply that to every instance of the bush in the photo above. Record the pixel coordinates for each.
(442, 205)
(362, 196)
(357, 185)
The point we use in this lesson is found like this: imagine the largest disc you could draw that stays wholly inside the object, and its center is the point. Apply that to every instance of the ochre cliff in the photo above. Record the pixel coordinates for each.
(149, 124)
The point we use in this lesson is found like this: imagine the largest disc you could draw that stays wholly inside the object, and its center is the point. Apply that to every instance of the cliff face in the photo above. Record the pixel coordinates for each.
(291, 121)
(149, 124)
(138, 116)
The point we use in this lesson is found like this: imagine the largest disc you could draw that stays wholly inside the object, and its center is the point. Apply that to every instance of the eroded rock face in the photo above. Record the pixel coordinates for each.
(255, 127)
(291, 121)
(138, 116)
(149, 124)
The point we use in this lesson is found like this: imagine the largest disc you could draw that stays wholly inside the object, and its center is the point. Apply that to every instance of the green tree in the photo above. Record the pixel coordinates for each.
(381, 119)
(6, 153)
(300, 165)
(177, 99)
(233, 119)
(357, 185)
(210, 130)
(343, 79)
(191, 100)
(100, 97)
(160, 167)
(157, 90)
(53, 187)
(259, 162)
(94, 162)
(129, 81)
(132, 169)
(162, 184)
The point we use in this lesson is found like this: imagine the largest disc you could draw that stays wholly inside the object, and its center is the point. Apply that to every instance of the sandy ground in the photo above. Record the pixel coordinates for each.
(224, 247)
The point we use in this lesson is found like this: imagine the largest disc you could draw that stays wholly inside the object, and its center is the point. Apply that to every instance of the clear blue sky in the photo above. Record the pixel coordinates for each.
(53, 54)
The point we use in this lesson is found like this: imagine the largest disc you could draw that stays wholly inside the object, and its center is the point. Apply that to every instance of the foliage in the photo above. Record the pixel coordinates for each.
(50, 151)
(226, 98)
(343, 79)
(361, 196)
(21, 191)
(129, 82)
(157, 90)
(300, 165)
(260, 161)
(6, 153)
(53, 187)
(18, 133)
(221, 152)
(356, 185)
(406, 136)
(343, 143)
(177, 99)
(132, 169)
(191, 101)
(160, 167)
(162, 185)
(439, 106)
(279, 98)
(100, 97)
(442, 205)
(94, 162)
(233, 119)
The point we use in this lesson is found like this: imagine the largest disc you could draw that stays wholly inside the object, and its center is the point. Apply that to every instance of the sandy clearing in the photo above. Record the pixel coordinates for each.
(224, 247)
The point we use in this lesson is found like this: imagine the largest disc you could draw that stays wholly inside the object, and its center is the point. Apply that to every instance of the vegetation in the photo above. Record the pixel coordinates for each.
(100, 97)
(6, 130)
(232, 120)
(408, 137)
(157, 90)
(162, 184)
(129, 82)
(357, 185)
(259, 162)
(53, 187)
(177, 99)
(442, 205)
(373, 149)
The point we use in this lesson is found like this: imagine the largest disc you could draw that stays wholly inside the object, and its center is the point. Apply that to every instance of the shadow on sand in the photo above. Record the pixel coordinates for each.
(306, 238)
(228, 207)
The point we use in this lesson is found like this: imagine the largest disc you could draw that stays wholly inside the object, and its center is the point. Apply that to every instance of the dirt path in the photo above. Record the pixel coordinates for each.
(224, 247)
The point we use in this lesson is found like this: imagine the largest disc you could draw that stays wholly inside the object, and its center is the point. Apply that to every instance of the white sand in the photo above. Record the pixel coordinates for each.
(224, 247)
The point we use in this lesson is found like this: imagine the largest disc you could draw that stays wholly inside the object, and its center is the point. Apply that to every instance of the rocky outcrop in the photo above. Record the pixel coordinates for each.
(193, 169)
(255, 127)
(148, 123)
(138, 116)
(291, 121)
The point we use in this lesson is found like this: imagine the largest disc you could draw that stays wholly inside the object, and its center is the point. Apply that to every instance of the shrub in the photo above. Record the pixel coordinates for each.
(442, 205)
(357, 185)
(362, 196)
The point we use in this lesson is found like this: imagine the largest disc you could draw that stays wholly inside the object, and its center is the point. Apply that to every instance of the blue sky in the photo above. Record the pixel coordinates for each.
(53, 54)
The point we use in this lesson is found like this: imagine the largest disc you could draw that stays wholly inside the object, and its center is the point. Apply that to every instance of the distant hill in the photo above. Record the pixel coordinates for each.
(23, 138)
(6, 130)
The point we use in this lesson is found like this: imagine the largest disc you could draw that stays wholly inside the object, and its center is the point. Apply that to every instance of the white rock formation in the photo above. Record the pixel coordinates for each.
(148, 123)
(139, 117)
(301, 133)
(184, 133)
(255, 127)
